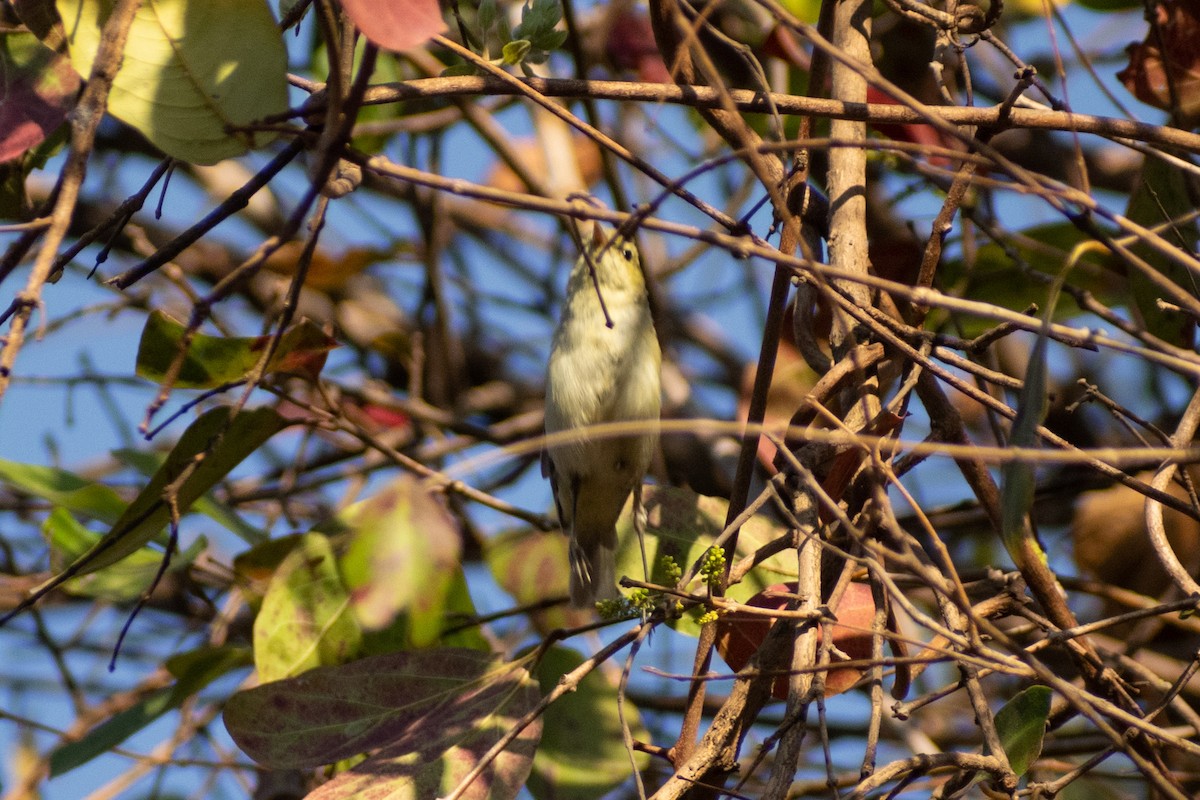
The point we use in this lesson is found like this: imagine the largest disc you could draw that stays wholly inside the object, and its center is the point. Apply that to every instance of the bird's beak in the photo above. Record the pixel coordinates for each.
(598, 237)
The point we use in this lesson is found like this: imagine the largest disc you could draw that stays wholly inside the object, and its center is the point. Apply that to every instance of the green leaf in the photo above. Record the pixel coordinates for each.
(1018, 478)
(803, 10)
(514, 52)
(550, 40)
(1021, 725)
(537, 18)
(148, 463)
(213, 361)
(208, 662)
(1163, 195)
(118, 583)
(65, 489)
(532, 565)
(415, 702)
(460, 609)
(222, 442)
(433, 764)
(456, 630)
(193, 70)
(458, 71)
(486, 16)
(404, 549)
(194, 671)
(574, 761)
(305, 620)
(256, 567)
(683, 525)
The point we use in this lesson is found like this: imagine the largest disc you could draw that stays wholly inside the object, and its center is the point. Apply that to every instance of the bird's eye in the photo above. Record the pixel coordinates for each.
(628, 253)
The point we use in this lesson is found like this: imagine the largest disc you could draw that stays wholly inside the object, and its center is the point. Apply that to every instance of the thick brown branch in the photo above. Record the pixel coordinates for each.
(762, 102)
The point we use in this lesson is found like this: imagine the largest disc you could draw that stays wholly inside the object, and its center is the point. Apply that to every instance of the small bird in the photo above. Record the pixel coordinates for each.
(604, 367)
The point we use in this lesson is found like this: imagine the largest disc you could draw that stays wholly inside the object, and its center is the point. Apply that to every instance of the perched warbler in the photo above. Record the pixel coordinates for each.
(604, 367)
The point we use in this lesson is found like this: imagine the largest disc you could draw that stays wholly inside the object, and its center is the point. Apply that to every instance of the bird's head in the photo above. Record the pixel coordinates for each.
(614, 257)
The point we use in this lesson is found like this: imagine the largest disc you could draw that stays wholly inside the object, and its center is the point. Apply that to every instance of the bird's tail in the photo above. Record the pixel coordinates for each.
(593, 571)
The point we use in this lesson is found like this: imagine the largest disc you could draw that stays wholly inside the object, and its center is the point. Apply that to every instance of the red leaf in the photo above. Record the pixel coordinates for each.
(38, 90)
(396, 24)
(740, 634)
(847, 461)
(630, 46)
(917, 133)
(384, 417)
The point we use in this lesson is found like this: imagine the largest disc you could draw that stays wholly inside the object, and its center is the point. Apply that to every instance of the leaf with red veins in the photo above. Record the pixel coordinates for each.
(396, 24)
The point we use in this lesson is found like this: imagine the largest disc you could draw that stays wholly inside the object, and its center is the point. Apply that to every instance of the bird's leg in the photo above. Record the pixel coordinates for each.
(639, 526)
(578, 555)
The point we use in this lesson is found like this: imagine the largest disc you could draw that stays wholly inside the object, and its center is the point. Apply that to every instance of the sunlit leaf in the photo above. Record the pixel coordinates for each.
(421, 768)
(65, 489)
(403, 551)
(418, 701)
(531, 566)
(193, 72)
(683, 525)
(514, 52)
(803, 10)
(213, 361)
(305, 620)
(457, 628)
(574, 761)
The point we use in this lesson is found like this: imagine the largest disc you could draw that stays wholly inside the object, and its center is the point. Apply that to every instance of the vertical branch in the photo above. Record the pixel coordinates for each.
(800, 684)
(85, 120)
(847, 178)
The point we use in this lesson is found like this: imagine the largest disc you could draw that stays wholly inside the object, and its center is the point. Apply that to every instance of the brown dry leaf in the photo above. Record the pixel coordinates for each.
(790, 384)
(327, 272)
(591, 167)
(1111, 543)
(1168, 59)
(741, 633)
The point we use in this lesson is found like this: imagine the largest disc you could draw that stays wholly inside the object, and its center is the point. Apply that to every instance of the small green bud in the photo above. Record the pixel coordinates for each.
(713, 567)
(672, 572)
